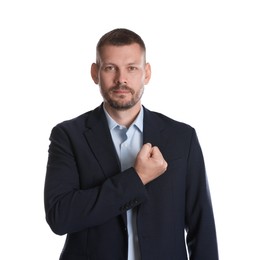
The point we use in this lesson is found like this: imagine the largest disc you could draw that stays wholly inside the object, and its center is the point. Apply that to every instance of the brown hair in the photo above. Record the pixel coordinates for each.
(119, 37)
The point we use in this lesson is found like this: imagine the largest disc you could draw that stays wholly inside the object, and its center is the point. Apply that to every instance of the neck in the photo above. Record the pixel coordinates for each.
(124, 117)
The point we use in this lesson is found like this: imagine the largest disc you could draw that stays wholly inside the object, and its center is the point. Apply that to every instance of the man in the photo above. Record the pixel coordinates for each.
(124, 182)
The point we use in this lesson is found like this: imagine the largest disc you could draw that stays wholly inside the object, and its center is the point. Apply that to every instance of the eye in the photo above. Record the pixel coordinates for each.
(109, 68)
(132, 68)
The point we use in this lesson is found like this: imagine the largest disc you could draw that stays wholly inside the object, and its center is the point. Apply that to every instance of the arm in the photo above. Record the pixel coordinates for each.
(70, 208)
(200, 226)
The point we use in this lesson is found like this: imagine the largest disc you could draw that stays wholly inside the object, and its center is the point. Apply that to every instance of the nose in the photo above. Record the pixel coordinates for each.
(121, 77)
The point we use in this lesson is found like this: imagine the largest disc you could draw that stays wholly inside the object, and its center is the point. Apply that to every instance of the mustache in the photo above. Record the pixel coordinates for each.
(121, 86)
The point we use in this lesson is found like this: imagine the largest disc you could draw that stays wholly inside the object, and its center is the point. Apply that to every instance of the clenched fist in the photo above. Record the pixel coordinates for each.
(150, 163)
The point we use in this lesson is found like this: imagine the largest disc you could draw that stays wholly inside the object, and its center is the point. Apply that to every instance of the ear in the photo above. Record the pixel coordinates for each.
(147, 73)
(94, 73)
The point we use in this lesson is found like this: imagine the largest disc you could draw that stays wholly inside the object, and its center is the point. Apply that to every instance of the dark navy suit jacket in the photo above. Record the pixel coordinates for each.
(87, 195)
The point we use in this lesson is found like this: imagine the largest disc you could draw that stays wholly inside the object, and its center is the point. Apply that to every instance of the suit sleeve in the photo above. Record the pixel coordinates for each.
(200, 225)
(68, 207)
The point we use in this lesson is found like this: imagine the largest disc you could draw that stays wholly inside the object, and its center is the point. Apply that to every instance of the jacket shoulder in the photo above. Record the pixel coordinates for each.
(166, 122)
(76, 121)
(81, 121)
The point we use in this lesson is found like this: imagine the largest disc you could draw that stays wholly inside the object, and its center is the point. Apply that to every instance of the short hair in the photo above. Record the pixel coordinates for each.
(119, 37)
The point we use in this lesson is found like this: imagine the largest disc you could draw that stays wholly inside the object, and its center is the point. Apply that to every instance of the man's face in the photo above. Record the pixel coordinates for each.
(121, 75)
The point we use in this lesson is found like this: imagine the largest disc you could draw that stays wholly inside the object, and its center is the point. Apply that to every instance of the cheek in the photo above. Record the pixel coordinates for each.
(138, 79)
(106, 80)
(103, 82)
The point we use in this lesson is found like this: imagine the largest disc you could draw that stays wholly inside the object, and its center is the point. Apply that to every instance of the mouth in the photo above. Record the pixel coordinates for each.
(121, 90)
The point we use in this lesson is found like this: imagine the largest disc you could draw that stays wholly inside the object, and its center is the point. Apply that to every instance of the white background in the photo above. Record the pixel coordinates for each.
(204, 64)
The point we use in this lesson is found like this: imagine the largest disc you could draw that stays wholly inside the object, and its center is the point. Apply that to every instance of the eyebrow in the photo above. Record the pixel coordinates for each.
(113, 64)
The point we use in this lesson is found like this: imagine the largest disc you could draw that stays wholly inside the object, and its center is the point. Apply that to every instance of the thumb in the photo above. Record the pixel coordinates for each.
(146, 150)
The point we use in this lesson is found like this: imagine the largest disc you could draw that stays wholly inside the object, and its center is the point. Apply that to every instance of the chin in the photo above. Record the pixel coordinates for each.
(121, 105)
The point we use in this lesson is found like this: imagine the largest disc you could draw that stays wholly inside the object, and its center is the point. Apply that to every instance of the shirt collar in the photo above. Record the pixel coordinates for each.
(138, 121)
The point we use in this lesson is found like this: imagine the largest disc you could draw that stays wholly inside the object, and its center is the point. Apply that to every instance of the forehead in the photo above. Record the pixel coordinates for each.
(126, 53)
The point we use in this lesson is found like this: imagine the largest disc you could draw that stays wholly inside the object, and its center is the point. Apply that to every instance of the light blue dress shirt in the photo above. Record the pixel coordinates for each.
(128, 142)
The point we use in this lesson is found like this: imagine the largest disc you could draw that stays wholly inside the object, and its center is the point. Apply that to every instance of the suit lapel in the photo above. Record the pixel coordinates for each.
(151, 131)
(99, 139)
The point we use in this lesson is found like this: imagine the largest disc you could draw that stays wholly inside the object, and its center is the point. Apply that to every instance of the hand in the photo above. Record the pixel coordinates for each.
(150, 163)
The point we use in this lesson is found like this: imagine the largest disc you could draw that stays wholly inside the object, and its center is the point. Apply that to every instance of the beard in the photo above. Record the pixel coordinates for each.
(120, 102)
